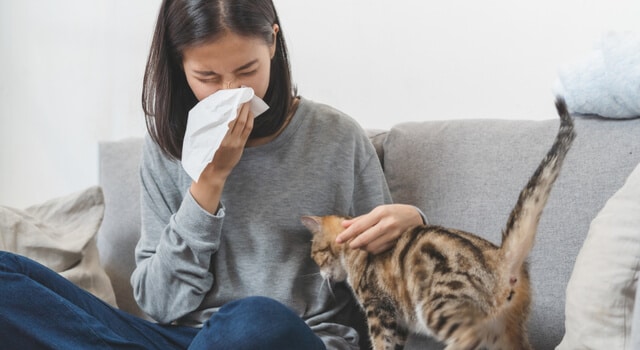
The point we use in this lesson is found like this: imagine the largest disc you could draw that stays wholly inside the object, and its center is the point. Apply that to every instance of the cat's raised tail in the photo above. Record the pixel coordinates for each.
(519, 235)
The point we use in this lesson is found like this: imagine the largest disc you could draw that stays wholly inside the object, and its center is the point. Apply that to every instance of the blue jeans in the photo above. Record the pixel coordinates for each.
(39, 309)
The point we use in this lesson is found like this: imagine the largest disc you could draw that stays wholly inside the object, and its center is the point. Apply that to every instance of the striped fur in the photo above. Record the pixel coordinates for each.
(455, 286)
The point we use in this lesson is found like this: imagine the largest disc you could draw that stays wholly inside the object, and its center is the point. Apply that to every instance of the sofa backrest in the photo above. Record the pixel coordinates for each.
(467, 174)
(119, 178)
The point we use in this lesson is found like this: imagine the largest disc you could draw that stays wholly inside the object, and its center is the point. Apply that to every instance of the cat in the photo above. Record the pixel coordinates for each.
(455, 286)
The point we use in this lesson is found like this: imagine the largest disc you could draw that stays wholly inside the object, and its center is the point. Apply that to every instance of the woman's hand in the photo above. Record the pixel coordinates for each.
(379, 230)
(208, 190)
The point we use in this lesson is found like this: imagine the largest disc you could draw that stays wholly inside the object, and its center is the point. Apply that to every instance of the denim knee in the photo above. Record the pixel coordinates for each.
(256, 323)
(9, 261)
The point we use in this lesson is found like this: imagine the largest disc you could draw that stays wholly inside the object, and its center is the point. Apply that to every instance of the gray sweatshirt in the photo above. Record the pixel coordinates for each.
(190, 263)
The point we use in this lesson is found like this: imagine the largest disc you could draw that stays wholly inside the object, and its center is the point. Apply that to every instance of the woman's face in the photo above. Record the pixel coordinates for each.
(229, 62)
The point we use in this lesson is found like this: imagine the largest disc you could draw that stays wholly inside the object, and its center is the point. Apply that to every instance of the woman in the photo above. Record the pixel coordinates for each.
(223, 263)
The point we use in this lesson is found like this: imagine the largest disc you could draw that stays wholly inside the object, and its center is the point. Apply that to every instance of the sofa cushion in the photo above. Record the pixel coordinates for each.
(120, 230)
(60, 234)
(467, 174)
(602, 288)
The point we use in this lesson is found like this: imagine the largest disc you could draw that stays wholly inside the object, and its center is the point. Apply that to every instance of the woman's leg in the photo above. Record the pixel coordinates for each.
(256, 323)
(39, 309)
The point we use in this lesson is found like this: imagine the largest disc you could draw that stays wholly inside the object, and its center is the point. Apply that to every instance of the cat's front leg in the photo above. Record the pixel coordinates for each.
(383, 326)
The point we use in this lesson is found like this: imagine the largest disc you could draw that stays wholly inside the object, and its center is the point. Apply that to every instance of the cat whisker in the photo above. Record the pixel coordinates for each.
(328, 281)
(309, 275)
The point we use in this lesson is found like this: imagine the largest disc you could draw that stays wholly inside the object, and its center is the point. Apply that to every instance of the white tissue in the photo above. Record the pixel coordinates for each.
(208, 122)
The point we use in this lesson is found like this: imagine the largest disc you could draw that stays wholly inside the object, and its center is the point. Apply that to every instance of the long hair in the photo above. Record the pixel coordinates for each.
(166, 96)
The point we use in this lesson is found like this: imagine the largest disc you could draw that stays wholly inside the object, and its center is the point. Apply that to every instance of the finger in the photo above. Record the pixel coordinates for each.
(241, 120)
(244, 112)
(357, 226)
(367, 237)
(378, 247)
(348, 222)
(248, 126)
(384, 240)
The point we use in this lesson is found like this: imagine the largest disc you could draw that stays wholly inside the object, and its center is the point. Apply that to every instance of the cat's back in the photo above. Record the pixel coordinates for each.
(450, 250)
(438, 262)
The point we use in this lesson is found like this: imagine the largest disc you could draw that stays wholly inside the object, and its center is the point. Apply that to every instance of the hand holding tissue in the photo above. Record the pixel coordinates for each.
(207, 125)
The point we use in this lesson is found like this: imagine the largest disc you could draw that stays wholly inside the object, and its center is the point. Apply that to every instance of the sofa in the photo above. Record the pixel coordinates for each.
(467, 174)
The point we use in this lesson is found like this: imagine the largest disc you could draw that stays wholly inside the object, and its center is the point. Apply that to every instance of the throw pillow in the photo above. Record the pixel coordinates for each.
(601, 291)
(635, 328)
(61, 234)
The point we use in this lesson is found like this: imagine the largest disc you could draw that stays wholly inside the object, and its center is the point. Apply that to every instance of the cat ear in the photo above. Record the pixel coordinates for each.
(313, 223)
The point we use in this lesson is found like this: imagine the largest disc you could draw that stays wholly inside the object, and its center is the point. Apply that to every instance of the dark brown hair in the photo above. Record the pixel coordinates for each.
(166, 96)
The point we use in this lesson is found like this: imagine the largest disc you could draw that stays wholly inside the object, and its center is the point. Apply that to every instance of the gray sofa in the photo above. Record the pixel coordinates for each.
(465, 174)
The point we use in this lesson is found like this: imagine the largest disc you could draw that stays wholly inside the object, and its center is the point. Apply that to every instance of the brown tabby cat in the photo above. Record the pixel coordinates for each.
(453, 285)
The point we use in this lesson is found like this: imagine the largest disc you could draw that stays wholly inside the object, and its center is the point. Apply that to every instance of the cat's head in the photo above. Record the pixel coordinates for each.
(324, 249)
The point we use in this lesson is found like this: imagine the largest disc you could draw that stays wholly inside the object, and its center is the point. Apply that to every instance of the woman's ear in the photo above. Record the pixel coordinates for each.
(276, 29)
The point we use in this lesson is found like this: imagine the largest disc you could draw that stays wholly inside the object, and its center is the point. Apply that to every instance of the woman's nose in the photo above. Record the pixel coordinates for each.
(230, 84)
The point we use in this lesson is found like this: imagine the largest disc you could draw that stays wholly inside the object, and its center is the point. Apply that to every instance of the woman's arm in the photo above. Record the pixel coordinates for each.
(181, 232)
(177, 241)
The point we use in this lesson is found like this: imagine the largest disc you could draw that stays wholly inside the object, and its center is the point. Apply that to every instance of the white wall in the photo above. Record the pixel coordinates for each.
(71, 75)
(71, 70)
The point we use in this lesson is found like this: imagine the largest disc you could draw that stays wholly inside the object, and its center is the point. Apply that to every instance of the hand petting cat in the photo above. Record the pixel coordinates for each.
(378, 230)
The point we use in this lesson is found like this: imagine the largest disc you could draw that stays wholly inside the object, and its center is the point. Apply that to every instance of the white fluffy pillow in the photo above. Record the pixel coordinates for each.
(601, 291)
(60, 234)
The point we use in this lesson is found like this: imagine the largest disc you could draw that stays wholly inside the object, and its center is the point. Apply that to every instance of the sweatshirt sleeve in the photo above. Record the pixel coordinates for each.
(178, 238)
(370, 187)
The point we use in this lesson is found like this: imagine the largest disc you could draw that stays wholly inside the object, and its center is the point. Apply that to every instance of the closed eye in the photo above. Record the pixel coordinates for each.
(208, 81)
(321, 256)
(322, 250)
(248, 74)
(324, 260)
